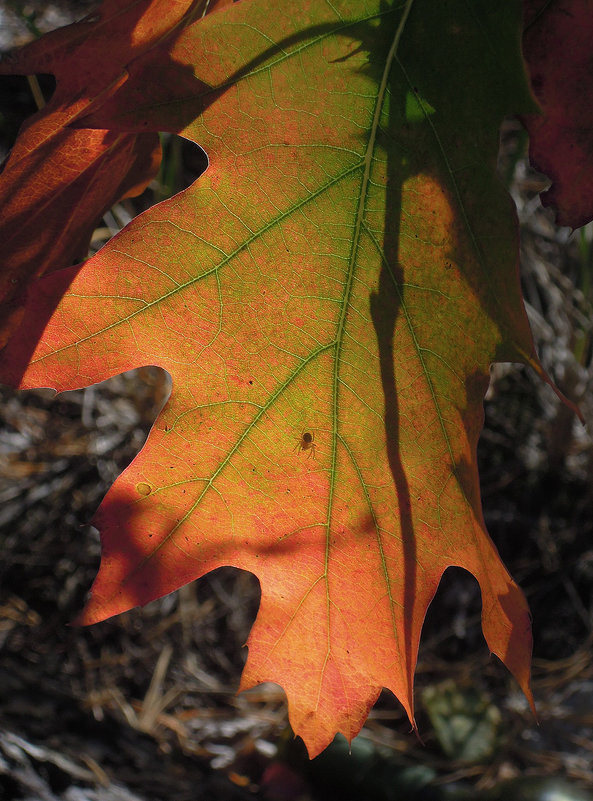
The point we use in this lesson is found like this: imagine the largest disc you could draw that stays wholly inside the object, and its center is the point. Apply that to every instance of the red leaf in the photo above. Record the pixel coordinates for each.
(58, 181)
(557, 43)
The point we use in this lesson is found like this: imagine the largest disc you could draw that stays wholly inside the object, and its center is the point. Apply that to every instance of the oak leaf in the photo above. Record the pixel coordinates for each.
(341, 277)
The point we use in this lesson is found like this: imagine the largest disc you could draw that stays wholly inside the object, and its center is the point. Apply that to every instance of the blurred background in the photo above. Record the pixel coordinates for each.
(143, 707)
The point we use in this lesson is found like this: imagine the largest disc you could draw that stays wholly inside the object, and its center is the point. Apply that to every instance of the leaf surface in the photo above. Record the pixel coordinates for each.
(557, 46)
(346, 268)
(58, 181)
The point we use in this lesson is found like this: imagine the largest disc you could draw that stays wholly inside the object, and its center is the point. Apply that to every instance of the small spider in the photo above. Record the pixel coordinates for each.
(306, 442)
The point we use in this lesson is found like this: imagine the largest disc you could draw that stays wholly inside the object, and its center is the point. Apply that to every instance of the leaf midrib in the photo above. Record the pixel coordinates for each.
(368, 158)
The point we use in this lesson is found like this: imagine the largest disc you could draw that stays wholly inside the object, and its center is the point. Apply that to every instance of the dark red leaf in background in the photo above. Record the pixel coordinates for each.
(558, 48)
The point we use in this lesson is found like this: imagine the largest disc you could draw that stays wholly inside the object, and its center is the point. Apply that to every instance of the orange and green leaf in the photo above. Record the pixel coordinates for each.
(347, 268)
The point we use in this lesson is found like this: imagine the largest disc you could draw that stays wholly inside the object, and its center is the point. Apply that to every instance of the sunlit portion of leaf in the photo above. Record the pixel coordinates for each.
(346, 267)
